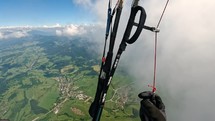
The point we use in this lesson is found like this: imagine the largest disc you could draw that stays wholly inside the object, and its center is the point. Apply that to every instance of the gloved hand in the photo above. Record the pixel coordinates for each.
(152, 107)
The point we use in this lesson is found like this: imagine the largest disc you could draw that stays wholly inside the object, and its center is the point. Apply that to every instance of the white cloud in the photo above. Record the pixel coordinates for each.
(18, 34)
(59, 33)
(57, 29)
(57, 25)
(13, 34)
(71, 30)
(1, 35)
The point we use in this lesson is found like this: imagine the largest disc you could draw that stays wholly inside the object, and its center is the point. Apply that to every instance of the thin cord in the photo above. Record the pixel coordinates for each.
(162, 14)
(155, 49)
(155, 64)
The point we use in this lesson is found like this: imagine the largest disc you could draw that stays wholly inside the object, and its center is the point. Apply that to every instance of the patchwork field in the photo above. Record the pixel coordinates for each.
(49, 78)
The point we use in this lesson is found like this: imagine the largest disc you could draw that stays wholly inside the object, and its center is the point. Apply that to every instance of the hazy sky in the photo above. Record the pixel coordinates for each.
(43, 12)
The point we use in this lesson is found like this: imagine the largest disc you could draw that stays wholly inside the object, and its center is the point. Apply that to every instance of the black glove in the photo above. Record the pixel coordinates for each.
(152, 107)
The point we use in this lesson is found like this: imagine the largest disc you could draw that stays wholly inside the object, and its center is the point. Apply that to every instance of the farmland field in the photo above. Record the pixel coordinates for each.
(54, 78)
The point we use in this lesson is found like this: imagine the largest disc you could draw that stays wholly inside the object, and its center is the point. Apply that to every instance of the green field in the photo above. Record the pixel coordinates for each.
(49, 78)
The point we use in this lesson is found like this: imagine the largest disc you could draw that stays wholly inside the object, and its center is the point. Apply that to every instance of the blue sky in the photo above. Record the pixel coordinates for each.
(43, 12)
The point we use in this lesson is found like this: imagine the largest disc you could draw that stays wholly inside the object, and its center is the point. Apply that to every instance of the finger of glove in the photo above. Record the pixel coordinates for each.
(145, 95)
(159, 103)
(153, 111)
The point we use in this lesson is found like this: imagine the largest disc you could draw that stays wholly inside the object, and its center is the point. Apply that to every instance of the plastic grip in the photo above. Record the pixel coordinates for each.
(131, 23)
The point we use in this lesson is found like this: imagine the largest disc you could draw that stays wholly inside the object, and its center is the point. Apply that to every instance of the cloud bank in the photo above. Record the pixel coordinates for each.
(13, 34)
(9, 32)
(71, 30)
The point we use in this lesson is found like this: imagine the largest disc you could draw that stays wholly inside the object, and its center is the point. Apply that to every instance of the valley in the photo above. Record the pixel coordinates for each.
(54, 78)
